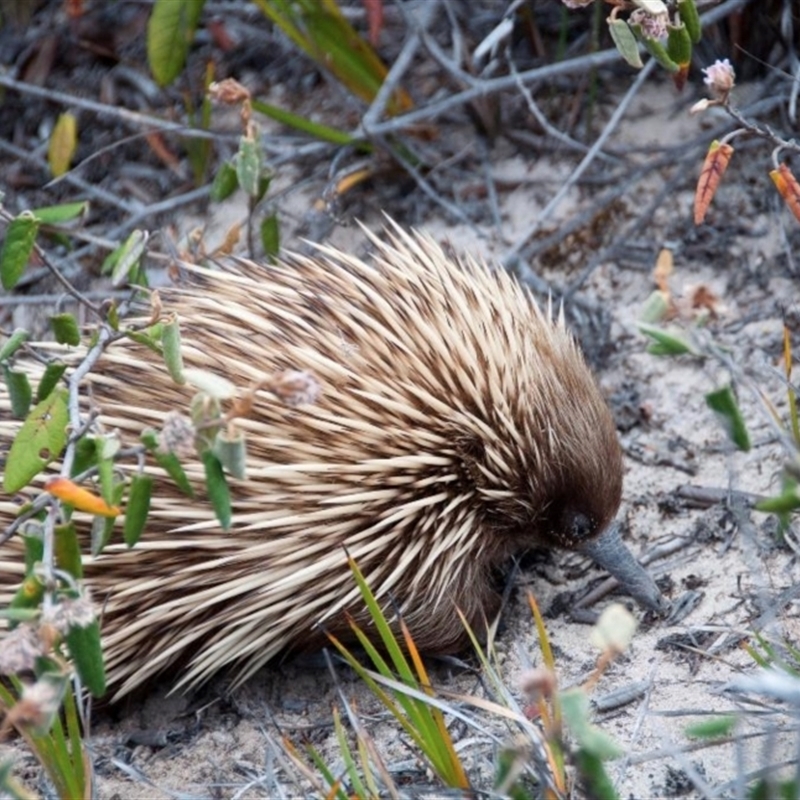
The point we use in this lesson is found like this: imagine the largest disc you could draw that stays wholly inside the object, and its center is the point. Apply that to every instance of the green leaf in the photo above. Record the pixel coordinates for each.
(83, 643)
(123, 262)
(170, 31)
(50, 377)
(169, 462)
(232, 453)
(171, 342)
(103, 527)
(263, 185)
(19, 392)
(34, 551)
(270, 235)
(660, 54)
(225, 182)
(17, 248)
(679, 44)
(29, 594)
(625, 42)
(137, 509)
(148, 339)
(691, 19)
(723, 403)
(68, 550)
(54, 215)
(13, 343)
(772, 789)
(40, 440)
(593, 740)
(714, 728)
(249, 166)
(85, 456)
(785, 504)
(667, 343)
(106, 449)
(654, 308)
(112, 316)
(218, 491)
(594, 776)
(65, 328)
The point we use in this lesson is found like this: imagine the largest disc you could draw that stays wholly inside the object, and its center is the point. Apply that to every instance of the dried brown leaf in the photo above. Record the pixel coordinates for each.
(714, 166)
(788, 187)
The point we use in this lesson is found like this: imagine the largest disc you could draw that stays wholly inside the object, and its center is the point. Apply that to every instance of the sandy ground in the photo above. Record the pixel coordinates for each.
(220, 744)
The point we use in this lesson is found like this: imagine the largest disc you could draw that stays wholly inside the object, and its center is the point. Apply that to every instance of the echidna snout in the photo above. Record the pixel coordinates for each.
(458, 425)
(608, 551)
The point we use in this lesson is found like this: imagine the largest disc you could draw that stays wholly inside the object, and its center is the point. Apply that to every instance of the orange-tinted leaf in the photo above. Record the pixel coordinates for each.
(353, 179)
(788, 187)
(663, 270)
(679, 77)
(714, 168)
(160, 148)
(231, 240)
(80, 498)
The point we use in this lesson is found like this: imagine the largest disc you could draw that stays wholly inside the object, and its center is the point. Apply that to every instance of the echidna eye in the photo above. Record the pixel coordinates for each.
(579, 527)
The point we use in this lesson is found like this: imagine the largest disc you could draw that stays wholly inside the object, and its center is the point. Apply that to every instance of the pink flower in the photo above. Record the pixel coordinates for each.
(719, 78)
(654, 26)
(296, 388)
(577, 3)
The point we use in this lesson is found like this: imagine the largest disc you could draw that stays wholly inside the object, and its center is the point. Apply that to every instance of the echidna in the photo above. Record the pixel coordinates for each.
(458, 425)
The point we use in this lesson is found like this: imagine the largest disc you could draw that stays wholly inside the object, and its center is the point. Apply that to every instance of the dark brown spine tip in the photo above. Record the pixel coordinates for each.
(609, 552)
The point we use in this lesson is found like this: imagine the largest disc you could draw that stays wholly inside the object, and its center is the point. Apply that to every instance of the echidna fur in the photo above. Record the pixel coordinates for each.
(458, 425)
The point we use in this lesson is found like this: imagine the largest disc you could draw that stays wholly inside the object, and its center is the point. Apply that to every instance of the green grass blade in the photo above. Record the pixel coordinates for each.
(334, 782)
(383, 628)
(418, 713)
(441, 741)
(377, 690)
(75, 734)
(356, 784)
(322, 132)
(281, 14)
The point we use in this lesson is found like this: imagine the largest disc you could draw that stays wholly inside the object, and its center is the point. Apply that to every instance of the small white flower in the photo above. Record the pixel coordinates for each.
(177, 435)
(19, 650)
(70, 612)
(719, 78)
(614, 630)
